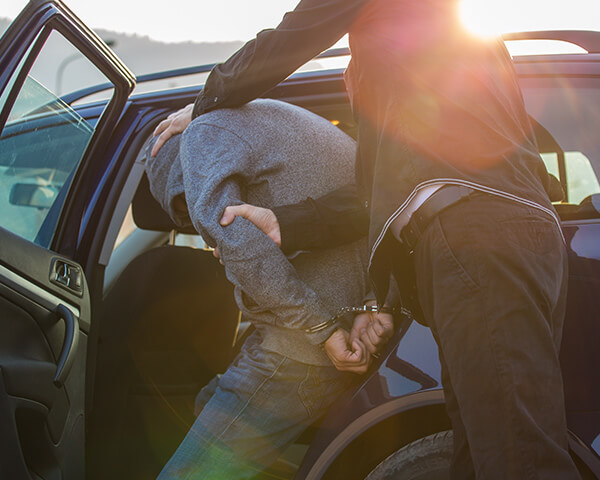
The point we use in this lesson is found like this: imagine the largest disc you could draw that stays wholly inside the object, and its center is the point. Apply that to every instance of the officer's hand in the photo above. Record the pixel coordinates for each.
(263, 218)
(345, 355)
(373, 329)
(175, 123)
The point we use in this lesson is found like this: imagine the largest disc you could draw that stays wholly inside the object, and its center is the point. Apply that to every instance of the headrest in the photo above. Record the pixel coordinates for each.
(555, 189)
(149, 215)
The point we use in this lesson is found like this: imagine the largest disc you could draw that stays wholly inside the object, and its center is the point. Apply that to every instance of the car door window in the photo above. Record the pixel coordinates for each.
(580, 176)
(566, 111)
(43, 140)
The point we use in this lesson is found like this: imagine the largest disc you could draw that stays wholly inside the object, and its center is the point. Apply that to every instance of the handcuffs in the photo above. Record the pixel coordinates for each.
(345, 310)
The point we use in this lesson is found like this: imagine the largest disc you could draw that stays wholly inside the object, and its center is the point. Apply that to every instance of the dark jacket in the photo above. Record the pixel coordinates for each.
(433, 104)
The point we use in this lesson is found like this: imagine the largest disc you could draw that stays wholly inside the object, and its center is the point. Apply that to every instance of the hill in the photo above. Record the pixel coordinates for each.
(140, 53)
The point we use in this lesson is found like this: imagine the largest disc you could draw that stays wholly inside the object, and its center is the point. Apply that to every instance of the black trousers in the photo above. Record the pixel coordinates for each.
(491, 279)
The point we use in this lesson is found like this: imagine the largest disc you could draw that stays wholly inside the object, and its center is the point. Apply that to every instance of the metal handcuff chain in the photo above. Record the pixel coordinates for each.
(346, 310)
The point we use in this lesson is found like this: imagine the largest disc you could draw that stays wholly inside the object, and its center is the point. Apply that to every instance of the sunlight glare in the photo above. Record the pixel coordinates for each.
(485, 18)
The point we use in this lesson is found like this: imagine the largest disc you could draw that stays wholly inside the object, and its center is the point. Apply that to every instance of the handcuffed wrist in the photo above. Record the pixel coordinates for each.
(320, 333)
(375, 308)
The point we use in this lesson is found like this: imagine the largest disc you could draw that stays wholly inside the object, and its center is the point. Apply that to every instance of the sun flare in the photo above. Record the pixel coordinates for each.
(485, 18)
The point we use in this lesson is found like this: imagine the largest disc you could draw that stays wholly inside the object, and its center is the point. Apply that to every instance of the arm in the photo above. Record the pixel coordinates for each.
(335, 218)
(263, 62)
(216, 164)
(332, 220)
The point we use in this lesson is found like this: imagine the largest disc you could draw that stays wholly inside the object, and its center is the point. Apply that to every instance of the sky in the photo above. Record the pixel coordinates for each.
(226, 20)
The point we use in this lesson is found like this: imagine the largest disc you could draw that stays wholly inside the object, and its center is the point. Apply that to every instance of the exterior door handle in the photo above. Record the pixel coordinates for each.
(69, 348)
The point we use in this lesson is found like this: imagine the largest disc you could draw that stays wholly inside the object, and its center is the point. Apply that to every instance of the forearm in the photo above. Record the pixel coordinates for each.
(214, 162)
(334, 219)
(258, 267)
(263, 62)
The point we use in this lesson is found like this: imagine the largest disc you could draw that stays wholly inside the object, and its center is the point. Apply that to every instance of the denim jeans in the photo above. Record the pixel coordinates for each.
(251, 413)
(491, 278)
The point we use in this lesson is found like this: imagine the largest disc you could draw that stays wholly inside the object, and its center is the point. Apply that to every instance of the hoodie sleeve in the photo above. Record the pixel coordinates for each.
(216, 163)
(313, 26)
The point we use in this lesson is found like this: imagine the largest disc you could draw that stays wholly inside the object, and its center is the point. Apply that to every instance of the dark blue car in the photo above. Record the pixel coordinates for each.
(111, 320)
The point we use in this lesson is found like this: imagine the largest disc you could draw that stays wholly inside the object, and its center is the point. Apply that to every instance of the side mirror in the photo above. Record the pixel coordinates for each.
(32, 195)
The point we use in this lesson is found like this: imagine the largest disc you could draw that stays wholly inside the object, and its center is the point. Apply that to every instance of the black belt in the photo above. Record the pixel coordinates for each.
(440, 200)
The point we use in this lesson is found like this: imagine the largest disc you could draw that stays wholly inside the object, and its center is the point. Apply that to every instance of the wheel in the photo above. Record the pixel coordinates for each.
(428, 458)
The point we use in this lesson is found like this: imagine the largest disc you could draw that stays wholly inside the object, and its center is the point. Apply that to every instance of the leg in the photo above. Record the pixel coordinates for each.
(260, 406)
(462, 464)
(492, 275)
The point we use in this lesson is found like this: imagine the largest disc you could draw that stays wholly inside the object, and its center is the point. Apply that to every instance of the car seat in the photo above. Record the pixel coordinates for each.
(169, 325)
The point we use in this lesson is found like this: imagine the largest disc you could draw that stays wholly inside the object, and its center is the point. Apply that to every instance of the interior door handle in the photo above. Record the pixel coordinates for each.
(69, 348)
(67, 276)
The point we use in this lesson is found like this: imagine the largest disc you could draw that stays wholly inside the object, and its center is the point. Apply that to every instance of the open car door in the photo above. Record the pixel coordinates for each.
(47, 153)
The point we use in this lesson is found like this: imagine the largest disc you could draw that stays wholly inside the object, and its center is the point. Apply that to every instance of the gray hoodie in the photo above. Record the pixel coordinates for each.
(266, 153)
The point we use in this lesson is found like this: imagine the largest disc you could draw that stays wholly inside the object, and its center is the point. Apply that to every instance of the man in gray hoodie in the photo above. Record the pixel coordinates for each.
(267, 153)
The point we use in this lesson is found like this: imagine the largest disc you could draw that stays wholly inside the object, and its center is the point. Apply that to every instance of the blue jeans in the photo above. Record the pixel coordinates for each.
(253, 412)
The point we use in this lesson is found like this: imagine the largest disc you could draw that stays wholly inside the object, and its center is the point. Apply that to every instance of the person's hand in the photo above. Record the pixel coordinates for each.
(217, 255)
(263, 218)
(373, 329)
(175, 123)
(346, 355)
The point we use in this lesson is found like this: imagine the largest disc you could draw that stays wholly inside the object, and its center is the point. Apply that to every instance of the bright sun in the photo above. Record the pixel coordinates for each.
(485, 18)
(491, 18)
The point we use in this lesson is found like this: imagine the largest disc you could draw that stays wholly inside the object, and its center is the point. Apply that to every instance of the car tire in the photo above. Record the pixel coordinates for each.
(428, 458)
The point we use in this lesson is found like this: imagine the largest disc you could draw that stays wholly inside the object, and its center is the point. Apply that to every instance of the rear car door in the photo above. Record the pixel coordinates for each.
(47, 156)
(562, 93)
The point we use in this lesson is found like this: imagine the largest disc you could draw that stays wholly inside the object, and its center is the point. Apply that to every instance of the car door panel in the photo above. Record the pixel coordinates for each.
(46, 148)
(39, 418)
(581, 336)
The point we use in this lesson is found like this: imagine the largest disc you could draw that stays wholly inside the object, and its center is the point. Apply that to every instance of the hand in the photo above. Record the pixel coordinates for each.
(345, 355)
(175, 123)
(263, 218)
(373, 330)
(217, 255)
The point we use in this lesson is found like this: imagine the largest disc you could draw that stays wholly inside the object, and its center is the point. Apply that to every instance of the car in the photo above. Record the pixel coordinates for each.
(111, 318)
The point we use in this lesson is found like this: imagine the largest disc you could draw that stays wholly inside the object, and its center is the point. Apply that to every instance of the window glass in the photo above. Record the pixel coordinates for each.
(568, 110)
(581, 178)
(181, 239)
(551, 161)
(11, 82)
(42, 143)
(195, 241)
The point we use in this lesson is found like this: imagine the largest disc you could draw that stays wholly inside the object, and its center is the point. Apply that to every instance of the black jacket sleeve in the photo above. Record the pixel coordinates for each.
(334, 219)
(313, 26)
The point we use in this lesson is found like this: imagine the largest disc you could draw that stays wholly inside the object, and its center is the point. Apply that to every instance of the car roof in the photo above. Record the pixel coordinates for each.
(586, 39)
